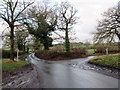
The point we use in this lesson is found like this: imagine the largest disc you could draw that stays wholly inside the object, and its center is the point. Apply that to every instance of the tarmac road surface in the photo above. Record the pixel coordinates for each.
(60, 74)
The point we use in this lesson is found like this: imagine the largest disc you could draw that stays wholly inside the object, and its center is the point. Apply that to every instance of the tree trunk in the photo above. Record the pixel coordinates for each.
(67, 43)
(24, 47)
(46, 43)
(118, 35)
(46, 47)
(12, 43)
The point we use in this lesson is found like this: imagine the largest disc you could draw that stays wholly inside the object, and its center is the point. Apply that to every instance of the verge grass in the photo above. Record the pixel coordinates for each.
(112, 60)
(11, 66)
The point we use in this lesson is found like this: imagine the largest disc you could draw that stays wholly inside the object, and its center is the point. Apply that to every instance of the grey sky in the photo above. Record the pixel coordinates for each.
(89, 11)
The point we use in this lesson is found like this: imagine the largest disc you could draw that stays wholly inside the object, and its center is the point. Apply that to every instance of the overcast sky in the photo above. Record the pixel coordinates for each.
(89, 11)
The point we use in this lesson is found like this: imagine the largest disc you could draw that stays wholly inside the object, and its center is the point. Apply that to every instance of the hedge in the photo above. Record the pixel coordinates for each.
(6, 53)
(111, 49)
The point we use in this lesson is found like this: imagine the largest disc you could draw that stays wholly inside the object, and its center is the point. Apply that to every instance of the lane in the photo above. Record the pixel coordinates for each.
(61, 75)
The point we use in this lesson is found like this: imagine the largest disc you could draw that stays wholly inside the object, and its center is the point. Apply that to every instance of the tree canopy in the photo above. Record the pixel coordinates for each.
(11, 12)
(108, 29)
(40, 24)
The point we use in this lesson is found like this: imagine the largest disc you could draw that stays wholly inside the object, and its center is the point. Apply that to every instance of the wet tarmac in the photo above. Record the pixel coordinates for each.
(65, 74)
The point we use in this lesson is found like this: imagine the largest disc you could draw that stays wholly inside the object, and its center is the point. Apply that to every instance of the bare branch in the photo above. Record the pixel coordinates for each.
(22, 11)
(108, 28)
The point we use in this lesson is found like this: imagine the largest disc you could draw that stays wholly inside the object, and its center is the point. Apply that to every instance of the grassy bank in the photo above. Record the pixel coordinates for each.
(112, 61)
(9, 66)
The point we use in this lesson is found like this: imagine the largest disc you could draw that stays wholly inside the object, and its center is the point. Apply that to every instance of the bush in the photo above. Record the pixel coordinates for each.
(60, 54)
(6, 53)
(81, 51)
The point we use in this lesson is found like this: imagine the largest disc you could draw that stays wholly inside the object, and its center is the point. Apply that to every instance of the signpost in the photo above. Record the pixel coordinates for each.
(106, 51)
(17, 55)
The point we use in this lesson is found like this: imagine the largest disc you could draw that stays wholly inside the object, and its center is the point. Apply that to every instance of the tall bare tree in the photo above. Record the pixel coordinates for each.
(11, 13)
(108, 29)
(66, 20)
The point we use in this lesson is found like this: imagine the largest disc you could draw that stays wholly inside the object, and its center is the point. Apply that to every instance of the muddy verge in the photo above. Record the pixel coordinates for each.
(112, 72)
(8, 78)
(109, 71)
(26, 77)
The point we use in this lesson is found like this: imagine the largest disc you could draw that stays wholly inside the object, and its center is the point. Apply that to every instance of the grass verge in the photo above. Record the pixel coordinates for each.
(9, 66)
(112, 61)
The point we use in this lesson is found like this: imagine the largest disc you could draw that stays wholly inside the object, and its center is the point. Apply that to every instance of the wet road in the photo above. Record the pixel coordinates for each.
(63, 74)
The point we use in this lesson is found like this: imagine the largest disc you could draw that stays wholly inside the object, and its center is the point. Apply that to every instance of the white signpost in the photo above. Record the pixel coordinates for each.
(106, 51)
(17, 55)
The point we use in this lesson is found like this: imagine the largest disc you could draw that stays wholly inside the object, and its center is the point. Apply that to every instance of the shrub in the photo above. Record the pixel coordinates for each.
(6, 53)
(79, 50)
(60, 54)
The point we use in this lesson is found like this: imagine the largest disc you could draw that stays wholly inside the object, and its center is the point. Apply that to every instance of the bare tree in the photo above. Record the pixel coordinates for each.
(11, 13)
(66, 20)
(108, 29)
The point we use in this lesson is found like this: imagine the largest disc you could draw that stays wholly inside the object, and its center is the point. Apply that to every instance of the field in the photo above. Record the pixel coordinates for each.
(91, 51)
(112, 61)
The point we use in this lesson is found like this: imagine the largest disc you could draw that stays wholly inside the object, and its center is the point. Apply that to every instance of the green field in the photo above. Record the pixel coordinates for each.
(107, 60)
(90, 51)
